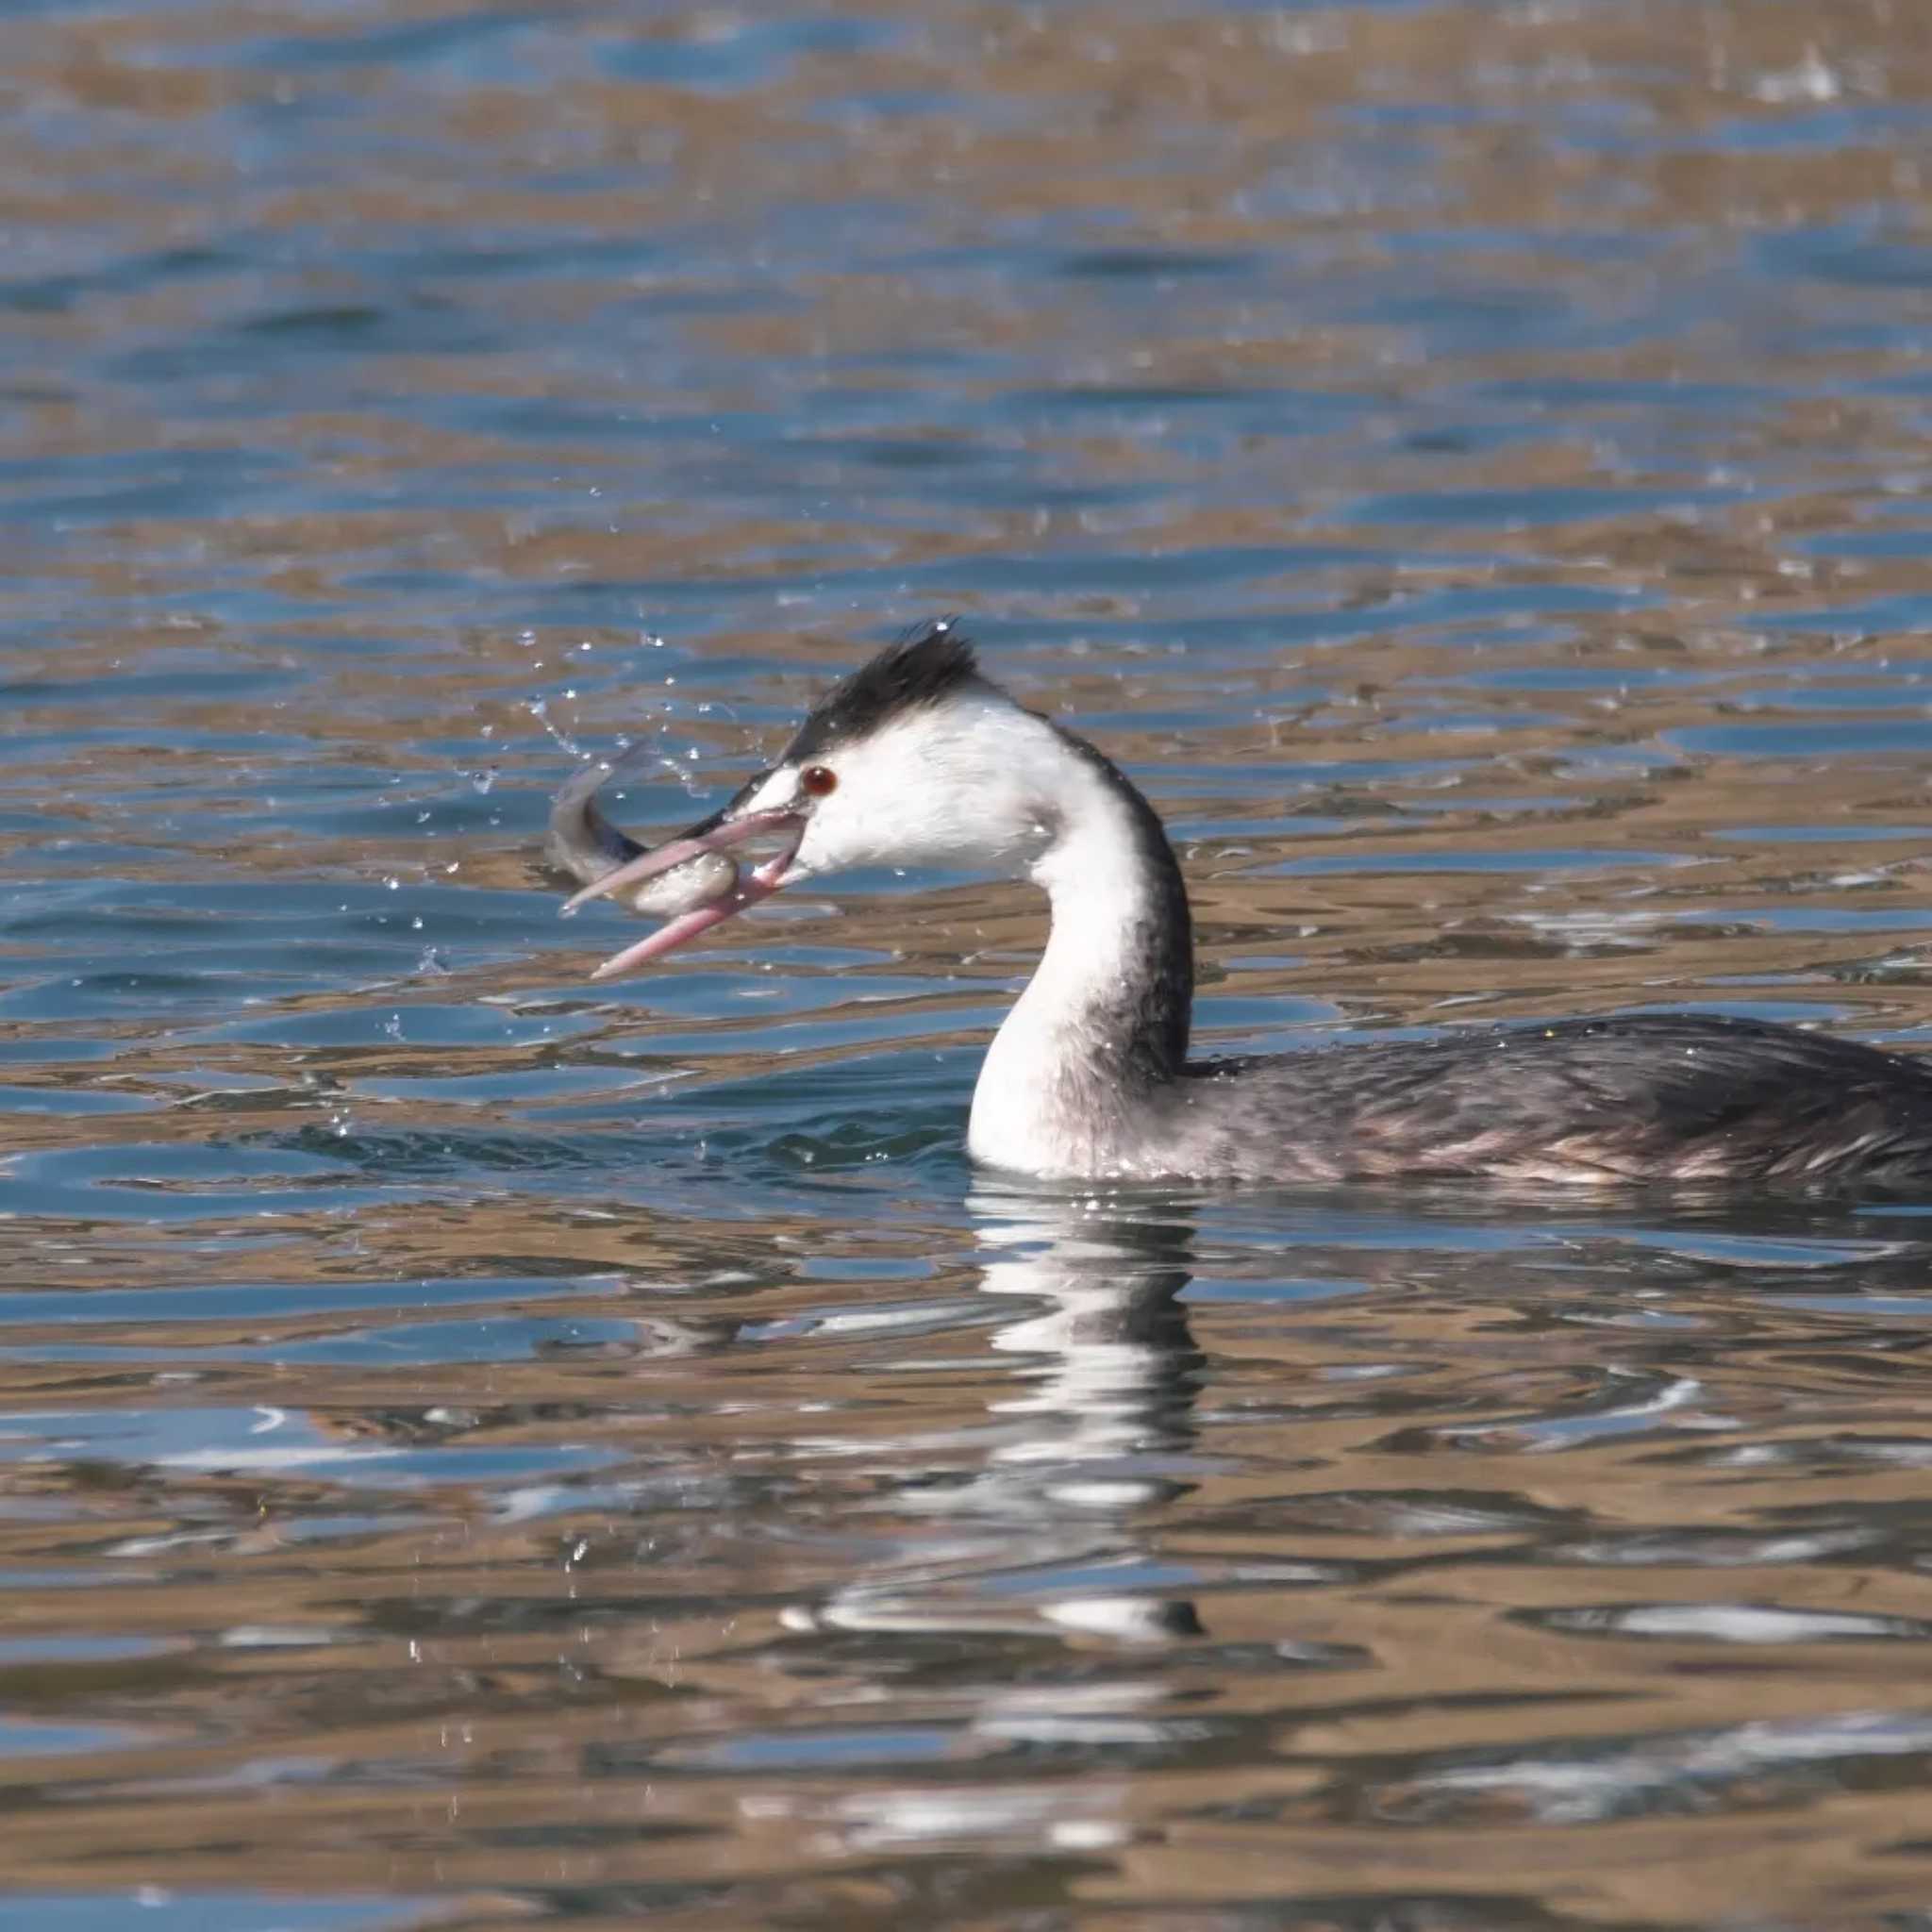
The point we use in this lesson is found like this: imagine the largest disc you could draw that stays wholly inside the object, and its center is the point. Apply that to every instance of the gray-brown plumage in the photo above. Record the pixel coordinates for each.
(1675, 1098)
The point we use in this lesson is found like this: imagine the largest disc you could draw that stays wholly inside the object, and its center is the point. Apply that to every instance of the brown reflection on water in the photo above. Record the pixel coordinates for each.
(1052, 1578)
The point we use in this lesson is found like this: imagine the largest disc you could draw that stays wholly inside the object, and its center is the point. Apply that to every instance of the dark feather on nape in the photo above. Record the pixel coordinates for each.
(924, 667)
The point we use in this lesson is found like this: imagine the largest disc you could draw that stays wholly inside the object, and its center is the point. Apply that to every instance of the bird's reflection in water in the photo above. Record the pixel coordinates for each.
(1094, 1427)
(1041, 1537)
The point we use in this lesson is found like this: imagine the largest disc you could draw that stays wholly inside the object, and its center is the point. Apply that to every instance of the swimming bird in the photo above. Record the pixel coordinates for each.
(918, 759)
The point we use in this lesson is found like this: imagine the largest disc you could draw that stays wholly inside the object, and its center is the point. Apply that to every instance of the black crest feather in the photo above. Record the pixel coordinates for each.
(924, 666)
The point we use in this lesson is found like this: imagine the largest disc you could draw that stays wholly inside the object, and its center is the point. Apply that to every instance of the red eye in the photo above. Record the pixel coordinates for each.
(816, 780)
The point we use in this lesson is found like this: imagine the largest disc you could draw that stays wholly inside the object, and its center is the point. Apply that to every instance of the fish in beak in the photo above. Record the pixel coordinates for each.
(694, 880)
(700, 878)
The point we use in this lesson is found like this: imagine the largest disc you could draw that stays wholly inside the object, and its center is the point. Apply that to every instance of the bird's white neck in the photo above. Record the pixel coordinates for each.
(1103, 1023)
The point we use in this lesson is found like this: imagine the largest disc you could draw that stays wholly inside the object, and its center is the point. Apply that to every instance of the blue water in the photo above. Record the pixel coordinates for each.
(481, 1448)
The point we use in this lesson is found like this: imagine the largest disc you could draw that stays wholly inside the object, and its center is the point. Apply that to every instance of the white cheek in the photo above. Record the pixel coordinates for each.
(779, 792)
(952, 787)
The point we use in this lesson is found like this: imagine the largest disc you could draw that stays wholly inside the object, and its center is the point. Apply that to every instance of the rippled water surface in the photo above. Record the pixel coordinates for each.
(486, 1450)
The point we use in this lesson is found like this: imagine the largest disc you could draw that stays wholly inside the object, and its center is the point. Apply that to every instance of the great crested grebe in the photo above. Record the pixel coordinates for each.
(917, 758)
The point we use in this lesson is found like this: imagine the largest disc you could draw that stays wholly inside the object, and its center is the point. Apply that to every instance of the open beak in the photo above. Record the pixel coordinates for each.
(721, 832)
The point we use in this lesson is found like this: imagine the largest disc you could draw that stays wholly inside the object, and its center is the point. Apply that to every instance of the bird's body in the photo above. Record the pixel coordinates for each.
(1680, 1098)
(916, 758)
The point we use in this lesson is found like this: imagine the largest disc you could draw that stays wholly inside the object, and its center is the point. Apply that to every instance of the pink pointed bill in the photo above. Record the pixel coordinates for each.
(750, 887)
(675, 852)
